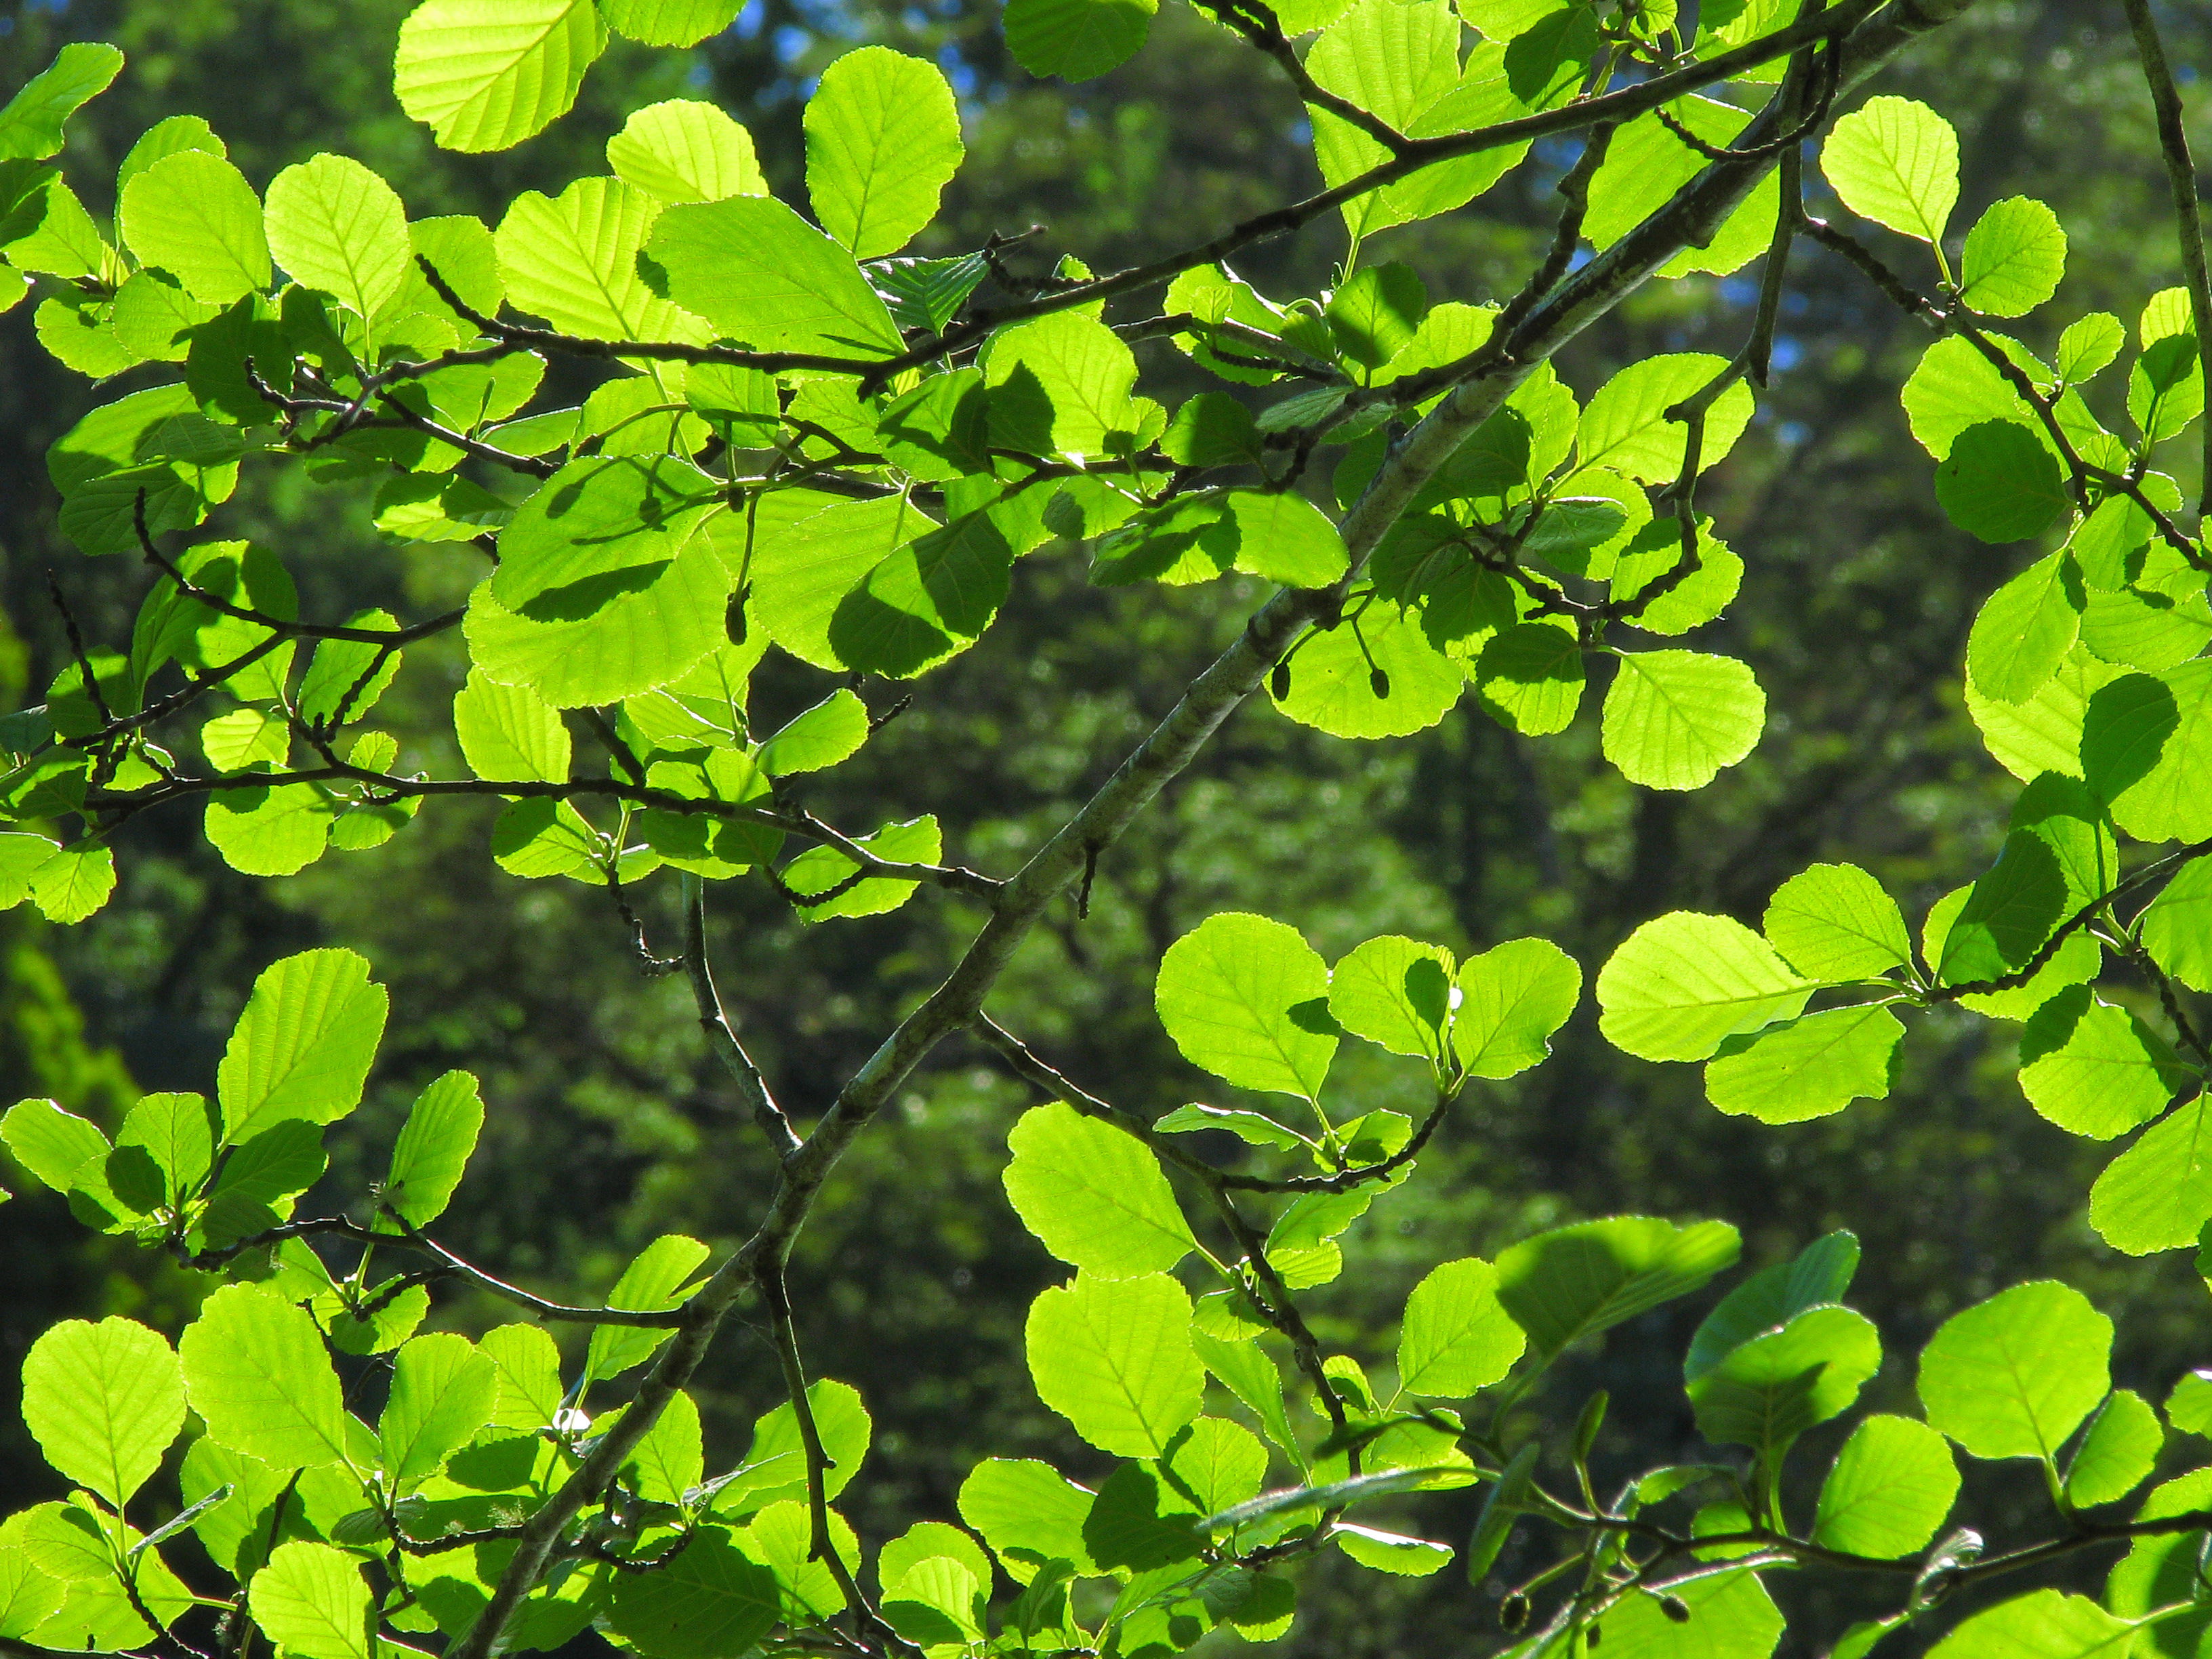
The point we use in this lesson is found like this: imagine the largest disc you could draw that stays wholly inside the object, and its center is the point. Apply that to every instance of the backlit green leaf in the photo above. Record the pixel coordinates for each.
(1248, 999)
(709, 1602)
(303, 1047)
(883, 140)
(31, 124)
(1572, 1281)
(1896, 162)
(656, 1277)
(2045, 1624)
(338, 228)
(1834, 921)
(2095, 1069)
(255, 1371)
(104, 1402)
(1028, 1513)
(2015, 255)
(1673, 719)
(683, 150)
(443, 1392)
(1396, 992)
(572, 259)
(1512, 998)
(2025, 630)
(760, 274)
(484, 75)
(312, 1600)
(1680, 985)
(1806, 1067)
(2117, 1453)
(1334, 688)
(1114, 1357)
(433, 1149)
(2157, 1196)
(1892, 1485)
(2014, 1376)
(1768, 1391)
(194, 214)
(669, 22)
(1097, 1198)
(1626, 428)
(1457, 1337)
(1075, 39)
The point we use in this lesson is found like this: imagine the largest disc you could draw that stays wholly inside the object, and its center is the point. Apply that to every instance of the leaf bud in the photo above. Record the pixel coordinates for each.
(1278, 682)
(1378, 682)
(1675, 1608)
(1513, 1613)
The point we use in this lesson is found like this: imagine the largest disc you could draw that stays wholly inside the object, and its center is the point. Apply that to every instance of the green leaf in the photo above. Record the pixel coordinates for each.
(626, 644)
(1097, 1198)
(2157, 1196)
(1836, 922)
(572, 259)
(883, 140)
(2117, 1453)
(1512, 998)
(1060, 385)
(1396, 992)
(1892, 1485)
(74, 882)
(2095, 1069)
(2166, 387)
(2015, 255)
(175, 1133)
(443, 1392)
(601, 528)
(1731, 1617)
(1028, 1514)
(1530, 676)
(657, 1278)
(2014, 1376)
(528, 1374)
(759, 273)
(2177, 928)
(29, 1595)
(818, 869)
(303, 1047)
(1457, 1337)
(1285, 538)
(775, 1464)
(509, 734)
(1247, 999)
(1896, 162)
(1683, 983)
(340, 229)
(710, 1602)
(31, 124)
(1253, 1128)
(1999, 483)
(104, 1402)
(1377, 312)
(2088, 344)
(926, 1541)
(194, 214)
(2025, 630)
(1390, 1552)
(1673, 719)
(312, 1600)
(1334, 683)
(832, 731)
(2147, 748)
(2045, 1624)
(1817, 1275)
(802, 568)
(1139, 1522)
(929, 600)
(1645, 164)
(683, 150)
(270, 831)
(433, 1149)
(484, 75)
(671, 1459)
(1806, 1067)
(1114, 1357)
(1573, 1281)
(1766, 1393)
(1626, 428)
(1075, 39)
(255, 1371)
(254, 1188)
(669, 22)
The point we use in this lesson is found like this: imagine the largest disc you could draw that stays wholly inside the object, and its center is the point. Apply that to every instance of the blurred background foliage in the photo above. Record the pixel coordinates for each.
(609, 1125)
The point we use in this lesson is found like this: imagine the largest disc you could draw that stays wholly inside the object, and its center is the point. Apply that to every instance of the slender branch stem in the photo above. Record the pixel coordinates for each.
(2188, 214)
(751, 1085)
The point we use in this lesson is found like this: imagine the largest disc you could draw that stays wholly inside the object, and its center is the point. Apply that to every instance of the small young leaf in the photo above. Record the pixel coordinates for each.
(1512, 998)
(433, 1149)
(2015, 255)
(1396, 992)
(655, 1278)
(2117, 1453)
